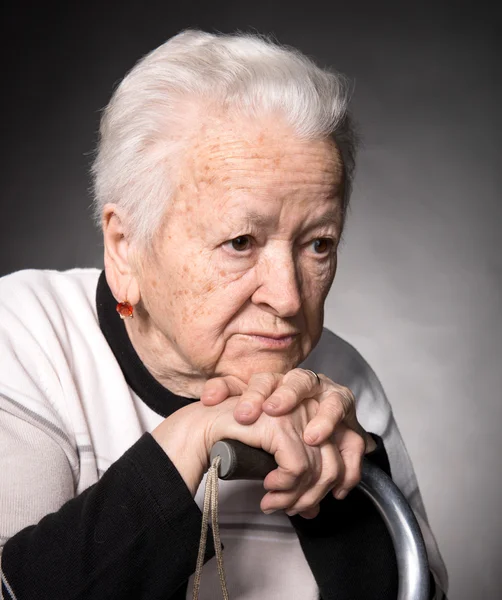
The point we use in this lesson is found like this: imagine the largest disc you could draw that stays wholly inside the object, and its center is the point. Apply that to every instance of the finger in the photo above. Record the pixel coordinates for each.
(296, 472)
(336, 404)
(332, 473)
(274, 501)
(259, 388)
(311, 513)
(371, 445)
(220, 388)
(298, 469)
(296, 385)
(351, 447)
(282, 480)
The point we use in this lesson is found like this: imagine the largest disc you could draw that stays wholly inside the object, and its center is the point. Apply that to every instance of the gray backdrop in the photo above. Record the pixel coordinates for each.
(420, 277)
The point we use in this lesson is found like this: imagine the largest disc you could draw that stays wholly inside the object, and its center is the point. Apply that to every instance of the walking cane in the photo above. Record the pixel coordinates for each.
(239, 461)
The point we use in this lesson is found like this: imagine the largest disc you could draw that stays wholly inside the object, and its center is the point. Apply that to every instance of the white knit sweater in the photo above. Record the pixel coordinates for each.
(67, 413)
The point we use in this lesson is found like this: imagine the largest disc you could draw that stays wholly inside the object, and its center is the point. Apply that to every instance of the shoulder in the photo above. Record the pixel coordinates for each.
(41, 304)
(48, 328)
(42, 316)
(39, 299)
(37, 285)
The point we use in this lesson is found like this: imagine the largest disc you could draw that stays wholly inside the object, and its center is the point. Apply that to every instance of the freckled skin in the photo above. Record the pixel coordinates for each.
(201, 297)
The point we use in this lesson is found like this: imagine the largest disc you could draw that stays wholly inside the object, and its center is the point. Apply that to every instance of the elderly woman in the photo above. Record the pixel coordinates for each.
(222, 181)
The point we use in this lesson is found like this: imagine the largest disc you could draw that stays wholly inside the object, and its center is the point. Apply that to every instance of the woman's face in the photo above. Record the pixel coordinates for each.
(247, 253)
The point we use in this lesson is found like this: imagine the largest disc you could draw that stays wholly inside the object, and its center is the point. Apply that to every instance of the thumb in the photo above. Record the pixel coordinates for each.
(220, 388)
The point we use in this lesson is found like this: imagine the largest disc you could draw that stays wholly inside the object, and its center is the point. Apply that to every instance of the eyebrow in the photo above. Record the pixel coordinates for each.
(259, 221)
(326, 220)
(255, 218)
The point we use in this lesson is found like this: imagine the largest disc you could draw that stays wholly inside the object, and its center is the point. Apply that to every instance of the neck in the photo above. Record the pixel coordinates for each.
(165, 364)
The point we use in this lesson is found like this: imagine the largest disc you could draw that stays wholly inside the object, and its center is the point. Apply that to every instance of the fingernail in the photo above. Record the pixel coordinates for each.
(245, 409)
(340, 495)
(270, 406)
(269, 511)
(291, 513)
(311, 438)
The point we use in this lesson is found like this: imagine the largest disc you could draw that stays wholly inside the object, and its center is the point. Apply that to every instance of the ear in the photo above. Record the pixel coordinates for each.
(120, 270)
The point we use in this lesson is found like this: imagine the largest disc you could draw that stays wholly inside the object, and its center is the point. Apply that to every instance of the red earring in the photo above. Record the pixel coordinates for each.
(125, 310)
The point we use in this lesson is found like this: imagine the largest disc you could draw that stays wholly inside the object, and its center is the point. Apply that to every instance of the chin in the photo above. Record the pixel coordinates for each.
(244, 367)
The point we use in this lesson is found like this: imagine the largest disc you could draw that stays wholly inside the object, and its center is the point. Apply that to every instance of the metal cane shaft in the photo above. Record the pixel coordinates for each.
(239, 461)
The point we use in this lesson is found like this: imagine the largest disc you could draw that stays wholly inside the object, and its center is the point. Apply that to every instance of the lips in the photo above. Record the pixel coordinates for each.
(272, 341)
(274, 336)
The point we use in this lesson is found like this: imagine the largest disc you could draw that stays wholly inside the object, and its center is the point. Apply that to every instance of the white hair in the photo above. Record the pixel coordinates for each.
(242, 72)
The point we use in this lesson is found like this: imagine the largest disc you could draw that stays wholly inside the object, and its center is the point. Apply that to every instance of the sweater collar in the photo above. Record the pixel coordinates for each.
(155, 395)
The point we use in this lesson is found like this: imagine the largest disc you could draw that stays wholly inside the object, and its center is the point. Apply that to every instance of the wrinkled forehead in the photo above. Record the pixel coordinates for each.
(265, 157)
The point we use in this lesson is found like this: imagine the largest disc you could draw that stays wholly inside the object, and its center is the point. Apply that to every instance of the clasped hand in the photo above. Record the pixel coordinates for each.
(309, 427)
(314, 434)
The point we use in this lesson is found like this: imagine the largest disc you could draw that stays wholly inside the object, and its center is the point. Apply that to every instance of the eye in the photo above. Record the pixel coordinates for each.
(241, 243)
(322, 245)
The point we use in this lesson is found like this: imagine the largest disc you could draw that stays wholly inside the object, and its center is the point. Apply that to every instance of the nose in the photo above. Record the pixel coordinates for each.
(279, 289)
